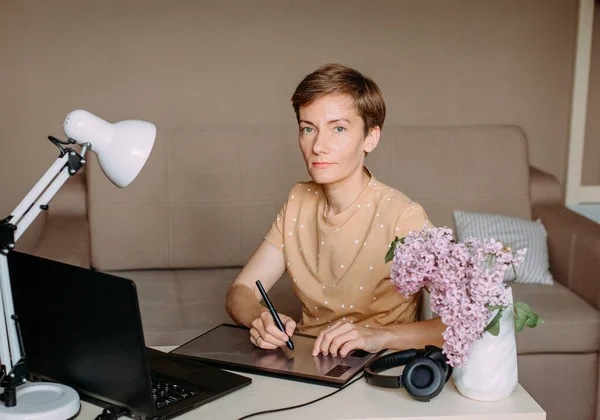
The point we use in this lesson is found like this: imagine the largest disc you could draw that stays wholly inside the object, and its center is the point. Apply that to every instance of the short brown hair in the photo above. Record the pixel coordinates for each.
(332, 78)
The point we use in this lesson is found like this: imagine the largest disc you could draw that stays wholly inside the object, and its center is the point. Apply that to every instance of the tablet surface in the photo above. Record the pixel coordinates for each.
(228, 346)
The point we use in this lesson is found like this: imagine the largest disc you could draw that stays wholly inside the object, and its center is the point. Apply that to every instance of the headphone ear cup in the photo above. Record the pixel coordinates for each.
(435, 393)
(422, 378)
(440, 358)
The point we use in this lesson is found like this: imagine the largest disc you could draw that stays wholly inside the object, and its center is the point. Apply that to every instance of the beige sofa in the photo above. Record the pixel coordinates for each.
(184, 228)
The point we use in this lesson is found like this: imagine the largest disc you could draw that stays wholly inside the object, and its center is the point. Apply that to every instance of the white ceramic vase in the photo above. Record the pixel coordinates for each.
(491, 374)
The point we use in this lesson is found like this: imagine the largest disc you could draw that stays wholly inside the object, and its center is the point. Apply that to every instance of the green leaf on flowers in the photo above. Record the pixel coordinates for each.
(523, 307)
(390, 254)
(532, 320)
(519, 311)
(520, 323)
(494, 326)
(525, 316)
(538, 321)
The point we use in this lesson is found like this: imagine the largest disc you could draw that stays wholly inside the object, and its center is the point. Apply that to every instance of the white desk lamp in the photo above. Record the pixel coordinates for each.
(122, 149)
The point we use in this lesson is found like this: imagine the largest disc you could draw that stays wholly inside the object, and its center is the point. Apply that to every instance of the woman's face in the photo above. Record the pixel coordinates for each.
(332, 138)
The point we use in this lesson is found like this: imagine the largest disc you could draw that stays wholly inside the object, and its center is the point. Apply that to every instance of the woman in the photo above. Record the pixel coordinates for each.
(332, 233)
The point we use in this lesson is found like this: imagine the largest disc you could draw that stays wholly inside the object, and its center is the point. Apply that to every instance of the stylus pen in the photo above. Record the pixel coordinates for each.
(273, 313)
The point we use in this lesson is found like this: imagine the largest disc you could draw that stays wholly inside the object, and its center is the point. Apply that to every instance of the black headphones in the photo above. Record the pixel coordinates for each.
(424, 376)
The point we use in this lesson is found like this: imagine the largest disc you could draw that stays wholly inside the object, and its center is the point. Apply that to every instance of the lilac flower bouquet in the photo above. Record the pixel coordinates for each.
(465, 281)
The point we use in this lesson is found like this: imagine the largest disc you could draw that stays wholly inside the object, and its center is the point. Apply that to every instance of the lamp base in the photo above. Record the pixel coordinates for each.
(42, 401)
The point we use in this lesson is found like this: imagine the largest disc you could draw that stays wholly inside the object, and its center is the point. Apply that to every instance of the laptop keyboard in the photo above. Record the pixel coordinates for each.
(167, 391)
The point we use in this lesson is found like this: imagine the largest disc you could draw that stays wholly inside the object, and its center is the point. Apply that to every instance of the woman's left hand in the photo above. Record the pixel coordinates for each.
(343, 337)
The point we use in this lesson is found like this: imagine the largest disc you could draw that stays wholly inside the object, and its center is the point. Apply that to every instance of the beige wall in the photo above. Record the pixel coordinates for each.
(187, 64)
(591, 158)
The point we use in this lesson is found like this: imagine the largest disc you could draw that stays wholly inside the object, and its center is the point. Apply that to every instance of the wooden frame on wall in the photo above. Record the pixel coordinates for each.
(575, 193)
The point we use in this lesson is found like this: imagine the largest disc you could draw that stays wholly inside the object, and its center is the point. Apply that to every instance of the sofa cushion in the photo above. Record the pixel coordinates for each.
(204, 199)
(207, 197)
(514, 232)
(178, 305)
(554, 378)
(472, 168)
(571, 325)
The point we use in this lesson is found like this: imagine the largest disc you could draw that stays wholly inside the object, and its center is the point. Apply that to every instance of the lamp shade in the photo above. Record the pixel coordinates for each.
(122, 148)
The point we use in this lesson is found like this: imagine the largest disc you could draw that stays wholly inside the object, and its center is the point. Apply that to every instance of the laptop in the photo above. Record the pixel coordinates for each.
(228, 346)
(83, 328)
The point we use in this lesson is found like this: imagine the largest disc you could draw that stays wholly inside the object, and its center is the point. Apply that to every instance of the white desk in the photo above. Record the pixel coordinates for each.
(359, 401)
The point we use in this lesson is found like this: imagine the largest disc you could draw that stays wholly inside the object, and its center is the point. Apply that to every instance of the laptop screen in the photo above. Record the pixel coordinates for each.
(82, 328)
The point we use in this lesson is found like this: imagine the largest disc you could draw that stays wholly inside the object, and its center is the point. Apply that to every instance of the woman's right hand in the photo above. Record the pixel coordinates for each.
(265, 334)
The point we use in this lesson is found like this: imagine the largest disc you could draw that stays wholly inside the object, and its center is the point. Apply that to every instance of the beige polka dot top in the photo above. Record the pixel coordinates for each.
(337, 264)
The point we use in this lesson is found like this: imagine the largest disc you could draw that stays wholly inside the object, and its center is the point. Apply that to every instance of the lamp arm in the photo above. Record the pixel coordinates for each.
(11, 229)
(38, 188)
(41, 203)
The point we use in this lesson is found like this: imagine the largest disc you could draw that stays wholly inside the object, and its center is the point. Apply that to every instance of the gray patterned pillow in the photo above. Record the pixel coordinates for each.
(513, 231)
